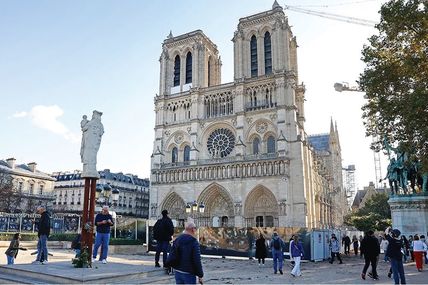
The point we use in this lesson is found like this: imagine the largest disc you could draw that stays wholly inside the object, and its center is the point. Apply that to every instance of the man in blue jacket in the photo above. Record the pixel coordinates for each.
(188, 255)
(103, 221)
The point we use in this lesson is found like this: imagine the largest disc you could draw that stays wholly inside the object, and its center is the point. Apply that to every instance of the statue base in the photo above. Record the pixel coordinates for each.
(410, 213)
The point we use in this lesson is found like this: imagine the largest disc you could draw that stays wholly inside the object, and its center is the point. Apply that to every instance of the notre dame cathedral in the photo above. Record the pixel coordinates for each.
(236, 154)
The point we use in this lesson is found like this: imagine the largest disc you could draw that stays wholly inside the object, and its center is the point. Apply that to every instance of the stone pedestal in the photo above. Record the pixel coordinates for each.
(410, 214)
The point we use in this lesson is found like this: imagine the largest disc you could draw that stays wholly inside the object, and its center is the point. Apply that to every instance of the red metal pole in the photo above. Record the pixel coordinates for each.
(84, 232)
(91, 215)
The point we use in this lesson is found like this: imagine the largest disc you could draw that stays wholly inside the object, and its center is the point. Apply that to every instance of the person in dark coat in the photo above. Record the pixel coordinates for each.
(163, 232)
(188, 263)
(261, 250)
(371, 250)
(44, 229)
(394, 254)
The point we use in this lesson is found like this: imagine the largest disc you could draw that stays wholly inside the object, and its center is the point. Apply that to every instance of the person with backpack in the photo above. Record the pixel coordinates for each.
(296, 252)
(163, 231)
(277, 244)
(185, 257)
(394, 254)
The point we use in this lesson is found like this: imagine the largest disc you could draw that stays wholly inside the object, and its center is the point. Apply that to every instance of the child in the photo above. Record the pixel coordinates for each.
(13, 249)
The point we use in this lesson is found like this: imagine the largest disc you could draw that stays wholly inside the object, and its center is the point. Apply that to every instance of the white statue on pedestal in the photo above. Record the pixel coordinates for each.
(92, 132)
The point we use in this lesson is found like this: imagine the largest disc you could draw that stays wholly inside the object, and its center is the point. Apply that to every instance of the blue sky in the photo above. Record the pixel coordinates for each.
(62, 59)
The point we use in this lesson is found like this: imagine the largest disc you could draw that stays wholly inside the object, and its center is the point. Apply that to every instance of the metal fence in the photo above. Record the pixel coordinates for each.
(124, 227)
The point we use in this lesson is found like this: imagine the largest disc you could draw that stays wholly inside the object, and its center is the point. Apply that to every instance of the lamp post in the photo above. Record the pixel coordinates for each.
(103, 194)
(193, 209)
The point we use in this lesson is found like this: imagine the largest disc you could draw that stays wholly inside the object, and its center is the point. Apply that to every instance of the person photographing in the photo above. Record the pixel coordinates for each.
(103, 221)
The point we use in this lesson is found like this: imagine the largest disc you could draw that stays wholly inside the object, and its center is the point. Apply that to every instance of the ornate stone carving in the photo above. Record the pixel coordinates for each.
(238, 208)
(273, 117)
(178, 138)
(92, 131)
(167, 133)
(234, 122)
(282, 208)
(189, 129)
(249, 120)
(202, 124)
(261, 127)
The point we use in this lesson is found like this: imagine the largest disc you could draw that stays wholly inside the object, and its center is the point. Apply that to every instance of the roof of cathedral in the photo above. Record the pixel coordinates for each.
(23, 170)
(320, 142)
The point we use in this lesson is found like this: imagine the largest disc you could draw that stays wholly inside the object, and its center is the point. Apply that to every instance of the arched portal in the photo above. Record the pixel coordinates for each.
(218, 204)
(175, 206)
(261, 208)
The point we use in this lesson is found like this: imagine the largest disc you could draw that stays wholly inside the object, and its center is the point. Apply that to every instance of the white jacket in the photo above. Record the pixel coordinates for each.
(419, 245)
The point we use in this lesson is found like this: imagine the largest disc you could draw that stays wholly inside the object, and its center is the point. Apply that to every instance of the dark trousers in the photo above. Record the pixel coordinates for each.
(347, 248)
(398, 271)
(373, 261)
(262, 260)
(162, 247)
(333, 254)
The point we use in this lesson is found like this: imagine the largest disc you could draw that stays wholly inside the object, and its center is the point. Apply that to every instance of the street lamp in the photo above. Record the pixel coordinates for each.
(193, 209)
(104, 192)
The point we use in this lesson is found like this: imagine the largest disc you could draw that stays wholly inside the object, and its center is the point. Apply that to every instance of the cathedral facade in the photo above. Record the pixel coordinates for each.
(236, 154)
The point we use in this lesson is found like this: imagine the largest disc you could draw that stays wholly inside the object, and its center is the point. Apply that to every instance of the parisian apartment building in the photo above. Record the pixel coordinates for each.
(132, 193)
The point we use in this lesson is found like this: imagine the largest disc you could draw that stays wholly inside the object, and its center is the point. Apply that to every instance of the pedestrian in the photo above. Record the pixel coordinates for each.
(383, 247)
(103, 221)
(419, 248)
(410, 240)
(346, 242)
(360, 239)
(13, 249)
(371, 249)
(261, 250)
(355, 244)
(394, 254)
(163, 231)
(335, 249)
(422, 238)
(405, 248)
(277, 245)
(44, 229)
(296, 252)
(76, 245)
(185, 257)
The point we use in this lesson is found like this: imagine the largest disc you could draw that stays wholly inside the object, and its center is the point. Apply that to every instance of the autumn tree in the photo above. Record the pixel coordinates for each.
(395, 78)
(10, 197)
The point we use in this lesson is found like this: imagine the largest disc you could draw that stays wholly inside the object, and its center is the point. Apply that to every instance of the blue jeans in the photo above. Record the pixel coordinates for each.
(10, 259)
(102, 240)
(42, 248)
(278, 259)
(184, 278)
(163, 247)
(398, 271)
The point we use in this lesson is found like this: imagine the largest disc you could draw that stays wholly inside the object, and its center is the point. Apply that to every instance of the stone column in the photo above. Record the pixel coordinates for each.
(409, 214)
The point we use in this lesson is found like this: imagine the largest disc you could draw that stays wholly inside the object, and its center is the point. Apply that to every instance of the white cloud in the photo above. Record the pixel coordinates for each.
(47, 117)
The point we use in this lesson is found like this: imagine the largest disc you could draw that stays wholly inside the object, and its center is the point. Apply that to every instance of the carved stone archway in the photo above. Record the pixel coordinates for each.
(175, 206)
(218, 203)
(261, 207)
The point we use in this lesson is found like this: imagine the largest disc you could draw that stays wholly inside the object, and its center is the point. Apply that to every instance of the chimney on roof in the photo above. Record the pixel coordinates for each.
(32, 166)
(11, 162)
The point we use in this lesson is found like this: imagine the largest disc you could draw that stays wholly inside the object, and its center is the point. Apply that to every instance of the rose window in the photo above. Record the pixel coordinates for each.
(221, 143)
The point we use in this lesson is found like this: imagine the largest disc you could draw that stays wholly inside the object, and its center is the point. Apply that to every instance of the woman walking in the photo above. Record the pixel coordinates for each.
(355, 244)
(419, 248)
(296, 251)
(261, 250)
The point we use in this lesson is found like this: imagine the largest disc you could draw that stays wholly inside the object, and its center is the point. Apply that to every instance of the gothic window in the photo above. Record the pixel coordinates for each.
(269, 221)
(174, 155)
(268, 53)
(189, 67)
(186, 153)
(271, 145)
(253, 54)
(224, 221)
(221, 143)
(256, 143)
(177, 71)
(209, 71)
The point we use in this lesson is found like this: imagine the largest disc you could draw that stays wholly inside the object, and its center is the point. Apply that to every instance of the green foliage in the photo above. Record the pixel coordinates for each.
(395, 78)
(24, 236)
(82, 261)
(375, 215)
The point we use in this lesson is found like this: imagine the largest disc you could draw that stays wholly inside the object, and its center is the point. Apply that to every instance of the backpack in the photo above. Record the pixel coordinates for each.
(276, 244)
(173, 259)
(157, 228)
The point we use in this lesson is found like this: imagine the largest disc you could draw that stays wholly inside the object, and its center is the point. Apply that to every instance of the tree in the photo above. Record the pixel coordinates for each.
(11, 198)
(375, 215)
(395, 78)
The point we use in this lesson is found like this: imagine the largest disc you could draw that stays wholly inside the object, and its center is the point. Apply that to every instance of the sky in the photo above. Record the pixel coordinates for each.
(60, 60)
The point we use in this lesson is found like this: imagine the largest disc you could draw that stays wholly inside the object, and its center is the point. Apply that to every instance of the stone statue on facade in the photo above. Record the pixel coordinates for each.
(92, 132)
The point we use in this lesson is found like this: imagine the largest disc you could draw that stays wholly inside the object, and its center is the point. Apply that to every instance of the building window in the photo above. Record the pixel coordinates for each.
(253, 54)
(256, 143)
(31, 190)
(189, 68)
(224, 221)
(269, 221)
(41, 189)
(268, 53)
(177, 71)
(186, 153)
(20, 185)
(271, 145)
(174, 155)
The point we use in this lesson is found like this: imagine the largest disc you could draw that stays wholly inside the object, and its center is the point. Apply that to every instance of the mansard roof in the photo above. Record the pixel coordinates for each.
(23, 170)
